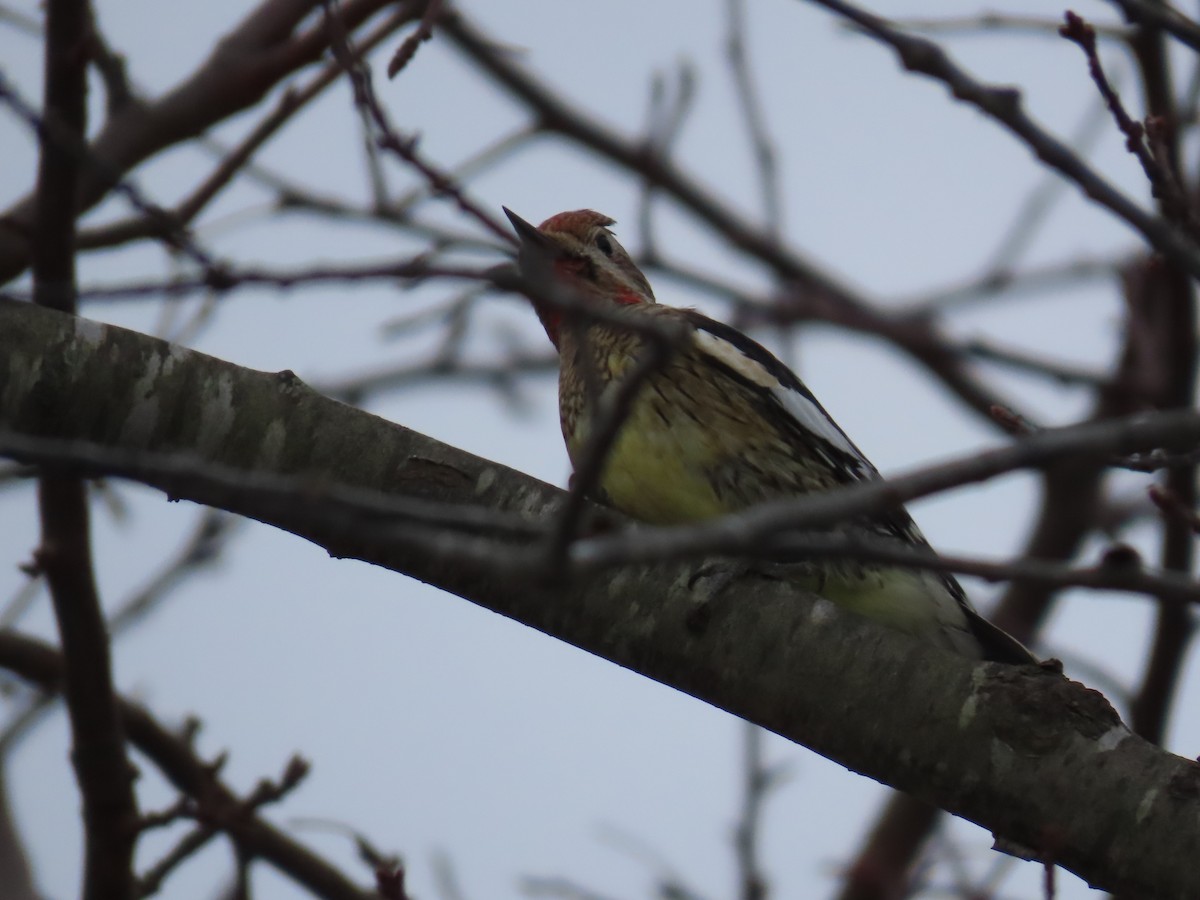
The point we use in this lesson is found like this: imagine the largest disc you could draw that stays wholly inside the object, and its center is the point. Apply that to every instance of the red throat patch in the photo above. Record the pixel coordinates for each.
(551, 321)
(626, 297)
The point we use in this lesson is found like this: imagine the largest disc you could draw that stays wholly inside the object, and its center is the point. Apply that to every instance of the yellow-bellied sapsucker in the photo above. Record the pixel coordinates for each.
(722, 425)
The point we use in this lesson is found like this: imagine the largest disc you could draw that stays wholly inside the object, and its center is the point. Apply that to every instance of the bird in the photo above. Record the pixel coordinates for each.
(718, 426)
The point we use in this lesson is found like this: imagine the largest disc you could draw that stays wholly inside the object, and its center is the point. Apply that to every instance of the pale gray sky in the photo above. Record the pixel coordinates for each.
(433, 725)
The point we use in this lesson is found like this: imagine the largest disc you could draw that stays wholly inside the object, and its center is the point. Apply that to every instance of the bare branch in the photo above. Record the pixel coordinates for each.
(501, 376)
(246, 64)
(406, 51)
(812, 293)
(102, 769)
(771, 661)
(1163, 182)
(405, 148)
(175, 758)
(1063, 373)
(1004, 105)
(290, 102)
(746, 532)
(200, 550)
(757, 781)
(1003, 283)
(755, 119)
(183, 474)
(52, 129)
(665, 118)
(990, 22)
(416, 268)
(20, 21)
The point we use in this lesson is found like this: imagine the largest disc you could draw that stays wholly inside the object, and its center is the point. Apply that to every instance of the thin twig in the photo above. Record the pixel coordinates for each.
(151, 881)
(118, 92)
(501, 376)
(416, 268)
(1163, 181)
(424, 32)
(200, 550)
(757, 781)
(475, 164)
(20, 21)
(1172, 504)
(665, 118)
(57, 131)
(236, 159)
(215, 813)
(1063, 373)
(1003, 104)
(770, 529)
(755, 119)
(1175, 349)
(14, 610)
(1028, 282)
(992, 23)
(405, 148)
(446, 878)
(1025, 227)
(258, 52)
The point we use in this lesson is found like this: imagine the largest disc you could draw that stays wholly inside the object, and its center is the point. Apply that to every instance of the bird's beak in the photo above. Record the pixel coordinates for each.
(537, 253)
(535, 260)
(530, 237)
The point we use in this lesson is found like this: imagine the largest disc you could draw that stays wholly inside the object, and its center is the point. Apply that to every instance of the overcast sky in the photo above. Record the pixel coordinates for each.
(437, 727)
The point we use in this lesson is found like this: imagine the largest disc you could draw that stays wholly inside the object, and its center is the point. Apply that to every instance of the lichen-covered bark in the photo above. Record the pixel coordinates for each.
(1039, 760)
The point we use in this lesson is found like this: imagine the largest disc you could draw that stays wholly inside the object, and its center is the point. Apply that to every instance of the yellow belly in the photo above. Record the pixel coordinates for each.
(655, 477)
(667, 468)
(659, 471)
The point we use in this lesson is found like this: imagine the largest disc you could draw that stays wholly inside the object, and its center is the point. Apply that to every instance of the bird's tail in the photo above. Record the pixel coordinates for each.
(998, 645)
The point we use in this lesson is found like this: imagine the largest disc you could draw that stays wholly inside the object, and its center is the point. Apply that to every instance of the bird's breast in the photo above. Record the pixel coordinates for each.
(685, 452)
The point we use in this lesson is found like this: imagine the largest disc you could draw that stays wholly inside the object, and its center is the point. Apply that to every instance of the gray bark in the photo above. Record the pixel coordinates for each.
(1037, 759)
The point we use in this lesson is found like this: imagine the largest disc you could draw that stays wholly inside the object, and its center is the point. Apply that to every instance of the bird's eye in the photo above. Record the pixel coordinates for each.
(604, 244)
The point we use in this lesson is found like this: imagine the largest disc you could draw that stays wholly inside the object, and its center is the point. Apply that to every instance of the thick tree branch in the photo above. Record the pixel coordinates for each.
(1067, 515)
(1037, 759)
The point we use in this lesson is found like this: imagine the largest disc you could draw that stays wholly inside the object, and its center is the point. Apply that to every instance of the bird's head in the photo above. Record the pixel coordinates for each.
(578, 249)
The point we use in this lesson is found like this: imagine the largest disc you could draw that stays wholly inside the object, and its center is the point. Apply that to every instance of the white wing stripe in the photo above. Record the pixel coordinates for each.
(807, 413)
(814, 419)
(735, 359)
